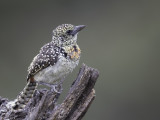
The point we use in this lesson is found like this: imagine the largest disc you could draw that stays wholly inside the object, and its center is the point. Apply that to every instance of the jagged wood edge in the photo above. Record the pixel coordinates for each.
(85, 100)
(77, 96)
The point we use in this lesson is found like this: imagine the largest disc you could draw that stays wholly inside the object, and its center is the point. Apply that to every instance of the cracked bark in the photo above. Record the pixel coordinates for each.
(43, 105)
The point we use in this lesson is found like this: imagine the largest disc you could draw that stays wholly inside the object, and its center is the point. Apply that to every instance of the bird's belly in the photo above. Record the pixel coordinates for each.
(53, 74)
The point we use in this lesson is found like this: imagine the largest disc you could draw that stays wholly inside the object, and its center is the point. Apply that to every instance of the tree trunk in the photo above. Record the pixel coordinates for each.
(43, 105)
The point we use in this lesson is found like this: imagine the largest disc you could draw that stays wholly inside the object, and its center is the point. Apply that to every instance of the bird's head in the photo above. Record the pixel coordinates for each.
(66, 34)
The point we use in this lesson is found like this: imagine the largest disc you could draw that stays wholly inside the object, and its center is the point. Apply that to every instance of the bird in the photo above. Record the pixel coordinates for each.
(53, 63)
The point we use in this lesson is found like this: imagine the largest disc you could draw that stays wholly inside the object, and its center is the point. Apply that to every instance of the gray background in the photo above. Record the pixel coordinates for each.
(121, 40)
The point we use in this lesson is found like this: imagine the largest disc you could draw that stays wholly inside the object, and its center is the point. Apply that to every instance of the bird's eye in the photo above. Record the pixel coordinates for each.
(69, 32)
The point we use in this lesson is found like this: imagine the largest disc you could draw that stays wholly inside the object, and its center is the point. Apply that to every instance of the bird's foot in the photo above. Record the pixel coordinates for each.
(53, 87)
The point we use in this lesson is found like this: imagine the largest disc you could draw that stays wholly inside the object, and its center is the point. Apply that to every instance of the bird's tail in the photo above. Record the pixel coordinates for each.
(24, 97)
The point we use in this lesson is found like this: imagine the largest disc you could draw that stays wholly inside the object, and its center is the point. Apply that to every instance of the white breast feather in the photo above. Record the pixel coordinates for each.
(54, 73)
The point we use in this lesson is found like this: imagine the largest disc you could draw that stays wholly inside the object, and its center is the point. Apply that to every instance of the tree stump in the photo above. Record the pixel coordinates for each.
(43, 105)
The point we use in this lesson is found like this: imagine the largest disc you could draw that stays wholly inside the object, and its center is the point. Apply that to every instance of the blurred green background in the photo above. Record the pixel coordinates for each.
(121, 40)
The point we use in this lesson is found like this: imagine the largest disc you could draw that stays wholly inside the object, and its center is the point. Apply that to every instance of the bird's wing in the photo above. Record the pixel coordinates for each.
(47, 56)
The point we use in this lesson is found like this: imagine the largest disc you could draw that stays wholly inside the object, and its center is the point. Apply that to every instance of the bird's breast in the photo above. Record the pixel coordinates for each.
(73, 52)
(53, 74)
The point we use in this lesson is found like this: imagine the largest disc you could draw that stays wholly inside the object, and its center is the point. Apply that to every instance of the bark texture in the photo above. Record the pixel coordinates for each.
(43, 105)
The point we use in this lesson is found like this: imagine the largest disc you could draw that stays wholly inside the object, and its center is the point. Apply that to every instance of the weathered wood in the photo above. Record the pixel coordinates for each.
(43, 105)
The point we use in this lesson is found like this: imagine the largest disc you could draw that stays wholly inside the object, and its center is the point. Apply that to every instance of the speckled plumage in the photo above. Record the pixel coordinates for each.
(55, 60)
(47, 56)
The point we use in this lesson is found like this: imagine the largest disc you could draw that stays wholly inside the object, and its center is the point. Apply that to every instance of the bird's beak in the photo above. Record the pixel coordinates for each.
(77, 29)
